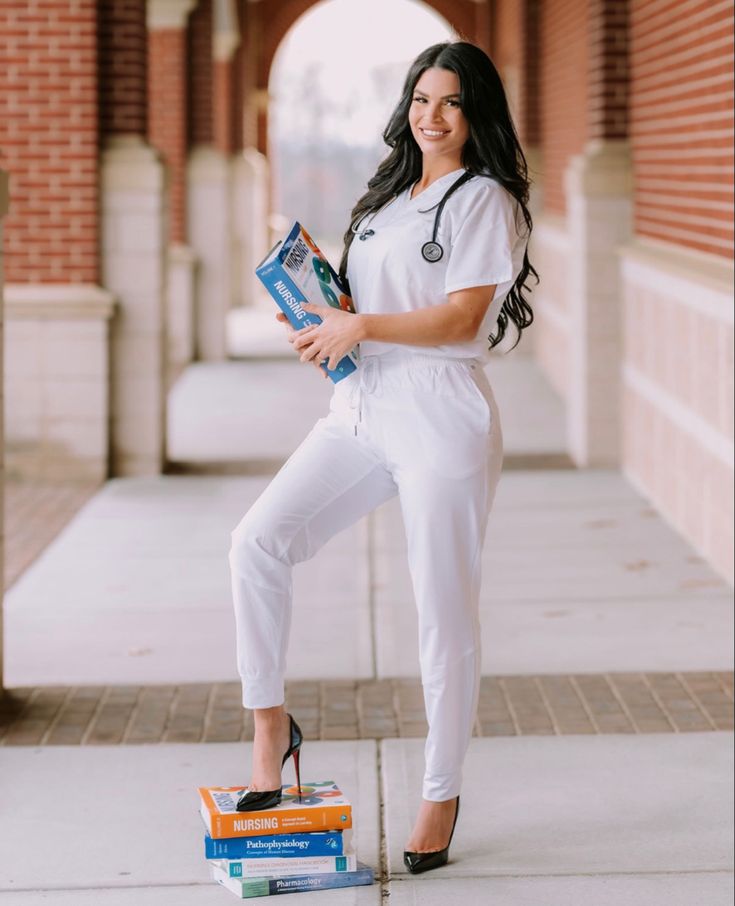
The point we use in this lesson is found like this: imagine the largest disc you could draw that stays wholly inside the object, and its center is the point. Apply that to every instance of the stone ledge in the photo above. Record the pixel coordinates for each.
(58, 301)
(691, 275)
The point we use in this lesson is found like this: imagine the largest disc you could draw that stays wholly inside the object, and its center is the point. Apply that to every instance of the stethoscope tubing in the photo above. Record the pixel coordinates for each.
(432, 250)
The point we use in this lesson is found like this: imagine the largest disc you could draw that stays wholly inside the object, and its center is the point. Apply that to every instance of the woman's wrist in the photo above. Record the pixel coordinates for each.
(362, 327)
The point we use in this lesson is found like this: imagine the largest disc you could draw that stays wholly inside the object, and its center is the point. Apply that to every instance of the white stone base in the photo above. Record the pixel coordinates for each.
(180, 309)
(134, 230)
(209, 203)
(251, 239)
(57, 376)
(599, 214)
(549, 252)
(678, 390)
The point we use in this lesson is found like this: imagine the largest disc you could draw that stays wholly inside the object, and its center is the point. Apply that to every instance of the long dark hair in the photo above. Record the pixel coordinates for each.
(492, 149)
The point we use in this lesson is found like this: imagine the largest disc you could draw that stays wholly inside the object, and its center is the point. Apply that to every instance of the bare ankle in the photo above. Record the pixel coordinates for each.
(273, 713)
(269, 718)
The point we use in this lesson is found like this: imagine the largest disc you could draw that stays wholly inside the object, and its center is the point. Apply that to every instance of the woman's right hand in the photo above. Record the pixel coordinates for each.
(291, 334)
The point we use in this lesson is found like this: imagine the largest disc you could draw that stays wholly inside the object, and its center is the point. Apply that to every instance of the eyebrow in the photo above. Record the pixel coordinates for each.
(445, 98)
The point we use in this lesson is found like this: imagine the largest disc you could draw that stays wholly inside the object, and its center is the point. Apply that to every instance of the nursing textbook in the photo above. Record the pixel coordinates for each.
(296, 271)
(321, 807)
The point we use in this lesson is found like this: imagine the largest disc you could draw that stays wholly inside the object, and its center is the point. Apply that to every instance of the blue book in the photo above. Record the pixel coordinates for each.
(296, 271)
(316, 843)
(264, 887)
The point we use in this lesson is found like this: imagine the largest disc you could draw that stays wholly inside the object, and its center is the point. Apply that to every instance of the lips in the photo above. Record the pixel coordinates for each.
(433, 133)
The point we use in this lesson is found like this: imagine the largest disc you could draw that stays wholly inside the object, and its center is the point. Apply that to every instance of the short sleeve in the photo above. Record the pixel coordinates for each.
(482, 247)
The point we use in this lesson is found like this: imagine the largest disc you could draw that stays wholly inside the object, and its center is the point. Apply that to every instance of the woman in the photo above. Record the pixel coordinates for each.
(417, 419)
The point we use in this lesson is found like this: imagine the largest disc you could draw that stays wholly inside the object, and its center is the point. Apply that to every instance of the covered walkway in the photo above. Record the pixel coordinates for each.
(615, 649)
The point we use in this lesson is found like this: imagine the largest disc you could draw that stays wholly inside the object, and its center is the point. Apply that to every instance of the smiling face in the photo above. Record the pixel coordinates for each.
(435, 117)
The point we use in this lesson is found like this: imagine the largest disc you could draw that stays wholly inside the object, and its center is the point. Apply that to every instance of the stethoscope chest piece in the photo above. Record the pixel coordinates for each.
(432, 251)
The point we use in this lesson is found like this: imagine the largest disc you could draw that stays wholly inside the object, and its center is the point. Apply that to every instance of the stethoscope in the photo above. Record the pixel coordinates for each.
(431, 250)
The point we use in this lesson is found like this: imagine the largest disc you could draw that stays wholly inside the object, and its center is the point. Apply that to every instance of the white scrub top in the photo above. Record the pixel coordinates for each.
(483, 234)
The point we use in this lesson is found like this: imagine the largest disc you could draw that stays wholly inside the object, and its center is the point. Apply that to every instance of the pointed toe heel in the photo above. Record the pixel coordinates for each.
(420, 862)
(258, 800)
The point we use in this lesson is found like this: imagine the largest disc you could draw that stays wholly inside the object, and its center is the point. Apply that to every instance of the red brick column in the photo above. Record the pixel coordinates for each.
(563, 84)
(225, 41)
(242, 77)
(607, 110)
(123, 67)
(48, 139)
(167, 101)
(200, 82)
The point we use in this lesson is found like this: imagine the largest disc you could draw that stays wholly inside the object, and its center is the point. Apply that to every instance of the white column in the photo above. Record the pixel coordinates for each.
(598, 187)
(180, 309)
(209, 191)
(250, 225)
(134, 239)
(3, 212)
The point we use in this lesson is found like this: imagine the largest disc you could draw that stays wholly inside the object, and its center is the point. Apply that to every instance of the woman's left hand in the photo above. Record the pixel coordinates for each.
(339, 332)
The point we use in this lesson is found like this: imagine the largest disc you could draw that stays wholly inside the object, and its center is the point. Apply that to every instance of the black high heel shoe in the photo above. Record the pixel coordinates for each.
(418, 862)
(262, 799)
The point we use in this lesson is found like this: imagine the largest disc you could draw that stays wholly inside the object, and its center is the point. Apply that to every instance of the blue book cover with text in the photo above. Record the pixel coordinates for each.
(315, 843)
(296, 271)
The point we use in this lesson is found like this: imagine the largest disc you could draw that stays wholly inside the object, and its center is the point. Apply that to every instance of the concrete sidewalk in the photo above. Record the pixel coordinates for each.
(582, 576)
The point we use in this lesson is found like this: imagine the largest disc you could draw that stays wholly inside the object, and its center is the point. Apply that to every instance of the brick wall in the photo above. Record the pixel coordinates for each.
(240, 88)
(681, 122)
(223, 112)
(563, 91)
(201, 75)
(123, 67)
(48, 139)
(508, 53)
(167, 116)
(607, 110)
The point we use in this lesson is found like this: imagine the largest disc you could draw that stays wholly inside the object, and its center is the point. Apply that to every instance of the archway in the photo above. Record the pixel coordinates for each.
(329, 105)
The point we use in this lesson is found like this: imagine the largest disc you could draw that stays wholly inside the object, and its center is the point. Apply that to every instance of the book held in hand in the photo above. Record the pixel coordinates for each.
(296, 271)
(322, 807)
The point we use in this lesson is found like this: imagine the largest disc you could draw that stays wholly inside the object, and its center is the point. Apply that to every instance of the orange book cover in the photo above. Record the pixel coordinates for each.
(323, 806)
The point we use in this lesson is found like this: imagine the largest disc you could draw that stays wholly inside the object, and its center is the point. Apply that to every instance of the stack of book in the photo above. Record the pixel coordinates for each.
(302, 844)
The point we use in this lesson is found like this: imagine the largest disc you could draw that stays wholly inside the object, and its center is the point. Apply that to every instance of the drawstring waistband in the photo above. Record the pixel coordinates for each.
(368, 374)
(371, 367)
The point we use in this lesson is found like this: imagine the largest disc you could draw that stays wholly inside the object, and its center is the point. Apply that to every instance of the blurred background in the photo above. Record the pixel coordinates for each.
(151, 152)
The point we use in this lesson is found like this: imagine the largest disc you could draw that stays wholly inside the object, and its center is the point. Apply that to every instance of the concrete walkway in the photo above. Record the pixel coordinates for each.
(582, 576)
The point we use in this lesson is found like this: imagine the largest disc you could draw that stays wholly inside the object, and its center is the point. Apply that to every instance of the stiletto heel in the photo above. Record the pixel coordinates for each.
(257, 800)
(418, 862)
(296, 760)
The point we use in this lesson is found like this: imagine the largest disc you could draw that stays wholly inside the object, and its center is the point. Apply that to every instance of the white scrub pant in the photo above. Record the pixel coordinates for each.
(405, 423)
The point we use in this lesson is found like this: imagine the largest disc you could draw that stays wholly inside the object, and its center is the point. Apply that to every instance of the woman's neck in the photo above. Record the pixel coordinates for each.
(433, 169)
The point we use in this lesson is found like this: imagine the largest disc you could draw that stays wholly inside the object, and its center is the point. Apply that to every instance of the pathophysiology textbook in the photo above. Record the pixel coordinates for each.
(296, 271)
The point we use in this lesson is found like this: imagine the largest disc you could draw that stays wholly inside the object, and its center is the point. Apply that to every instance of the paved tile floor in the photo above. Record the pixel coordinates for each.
(555, 705)
(34, 513)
